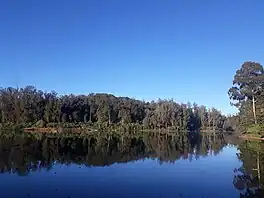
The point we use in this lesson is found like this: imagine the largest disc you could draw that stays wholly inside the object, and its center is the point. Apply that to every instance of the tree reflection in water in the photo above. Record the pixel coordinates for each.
(249, 178)
(28, 152)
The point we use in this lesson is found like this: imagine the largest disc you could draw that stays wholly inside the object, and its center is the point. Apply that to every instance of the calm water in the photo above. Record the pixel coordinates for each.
(147, 165)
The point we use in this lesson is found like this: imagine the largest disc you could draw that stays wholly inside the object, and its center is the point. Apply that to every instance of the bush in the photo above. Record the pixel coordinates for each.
(256, 129)
(52, 125)
(40, 124)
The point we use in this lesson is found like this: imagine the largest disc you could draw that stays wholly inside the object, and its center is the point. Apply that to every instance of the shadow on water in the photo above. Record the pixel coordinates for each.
(30, 152)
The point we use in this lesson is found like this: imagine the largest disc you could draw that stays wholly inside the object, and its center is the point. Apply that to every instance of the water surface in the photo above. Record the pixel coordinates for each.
(129, 165)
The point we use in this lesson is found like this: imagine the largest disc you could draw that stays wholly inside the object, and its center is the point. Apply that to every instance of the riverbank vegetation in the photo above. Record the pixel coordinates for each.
(247, 94)
(30, 107)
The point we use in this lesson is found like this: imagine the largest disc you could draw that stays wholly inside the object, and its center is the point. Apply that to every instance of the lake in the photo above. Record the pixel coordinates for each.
(130, 165)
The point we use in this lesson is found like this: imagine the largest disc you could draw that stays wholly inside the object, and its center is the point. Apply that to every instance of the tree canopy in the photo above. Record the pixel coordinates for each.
(32, 107)
(247, 94)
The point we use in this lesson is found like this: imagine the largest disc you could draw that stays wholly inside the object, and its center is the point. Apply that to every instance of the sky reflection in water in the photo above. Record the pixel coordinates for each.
(208, 177)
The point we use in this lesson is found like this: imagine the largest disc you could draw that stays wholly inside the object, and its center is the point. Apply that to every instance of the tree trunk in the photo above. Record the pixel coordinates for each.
(90, 116)
(254, 109)
(108, 143)
(258, 167)
(109, 116)
(209, 120)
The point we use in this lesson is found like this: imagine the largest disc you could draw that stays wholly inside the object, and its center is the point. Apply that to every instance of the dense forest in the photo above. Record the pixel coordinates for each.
(29, 107)
(247, 94)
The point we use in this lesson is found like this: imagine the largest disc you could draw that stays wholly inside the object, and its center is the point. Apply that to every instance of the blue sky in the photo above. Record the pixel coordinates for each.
(188, 50)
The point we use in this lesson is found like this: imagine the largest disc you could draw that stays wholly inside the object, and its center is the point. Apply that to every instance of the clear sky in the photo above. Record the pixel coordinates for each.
(187, 50)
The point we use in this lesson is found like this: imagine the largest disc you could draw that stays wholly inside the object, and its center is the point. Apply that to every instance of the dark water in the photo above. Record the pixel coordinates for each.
(143, 165)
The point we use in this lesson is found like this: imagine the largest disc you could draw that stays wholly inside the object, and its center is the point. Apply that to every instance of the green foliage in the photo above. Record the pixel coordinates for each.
(31, 107)
(40, 124)
(247, 94)
(256, 129)
(248, 82)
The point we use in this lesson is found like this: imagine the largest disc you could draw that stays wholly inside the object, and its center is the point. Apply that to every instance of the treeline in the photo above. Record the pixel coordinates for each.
(247, 94)
(29, 107)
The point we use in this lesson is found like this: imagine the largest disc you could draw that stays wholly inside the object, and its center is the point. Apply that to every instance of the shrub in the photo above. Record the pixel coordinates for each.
(256, 129)
(40, 124)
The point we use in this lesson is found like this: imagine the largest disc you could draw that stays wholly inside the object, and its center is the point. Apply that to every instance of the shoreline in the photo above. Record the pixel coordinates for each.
(80, 129)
